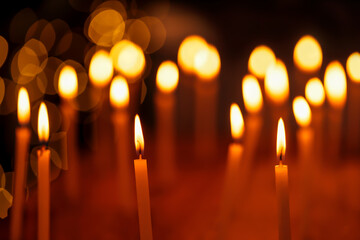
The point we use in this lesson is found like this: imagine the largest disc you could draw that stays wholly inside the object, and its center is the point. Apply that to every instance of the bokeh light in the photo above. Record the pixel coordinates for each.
(167, 76)
(101, 69)
(260, 59)
(207, 63)
(353, 67)
(276, 83)
(302, 111)
(335, 84)
(236, 122)
(308, 54)
(119, 92)
(68, 82)
(252, 95)
(314, 92)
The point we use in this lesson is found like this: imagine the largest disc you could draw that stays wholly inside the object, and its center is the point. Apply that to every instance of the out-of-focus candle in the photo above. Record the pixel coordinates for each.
(21, 157)
(101, 69)
(142, 184)
(308, 54)
(282, 188)
(207, 63)
(260, 59)
(43, 156)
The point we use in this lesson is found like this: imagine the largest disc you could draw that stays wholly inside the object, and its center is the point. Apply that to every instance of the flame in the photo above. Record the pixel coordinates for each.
(236, 122)
(280, 140)
(260, 59)
(23, 110)
(314, 92)
(207, 63)
(353, 66)
(277, 82)
(335, 84)
(302, 111)
(119, 92)
(188, 49)
(101, 68)
(252, 94)
(139, 137)
(308, 54)
(68, 82)
(43, 123)
(167, 76)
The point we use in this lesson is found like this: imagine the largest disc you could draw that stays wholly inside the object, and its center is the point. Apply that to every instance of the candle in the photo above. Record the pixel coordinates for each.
(21, 158)
(43, 156)
(167, 78)
(232, 174)
(68, 89)
(281, 182)
(142, 184)
(260, 59)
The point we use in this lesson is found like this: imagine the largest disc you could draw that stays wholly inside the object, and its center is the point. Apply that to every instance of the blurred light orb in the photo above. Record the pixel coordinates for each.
(252, 95)
(260, 59)
(302, 111)
(308, 54)
(353, 67)
(167, 76)
(335, 84)
(119, 92)
(314, 92)
(207, 63)
(68, 82)
(101, 69)
(276, 83)
(236, 122)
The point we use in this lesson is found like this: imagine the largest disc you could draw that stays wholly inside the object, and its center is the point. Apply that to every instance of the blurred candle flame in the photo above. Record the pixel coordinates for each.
(353, 67)
(101, 68)
(68, 82)
(277, 82)
(314, 92)
(260, 59)
(252, 95)
(335, 84)
(119, 92)
(280, 140)
(308, 54)
(207, 63)
(23, 109)
(139, 137)
(236, 122)
(302, 111)
(167, 76)
(43, 123)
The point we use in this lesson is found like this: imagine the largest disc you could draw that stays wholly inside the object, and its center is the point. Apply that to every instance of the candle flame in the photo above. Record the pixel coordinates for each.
(276, 82)
(101, 69)
(280, 141)
(43, 123)
(314, 92)
(207, 63)
(260, 59)
(308, 54)
(119, 92)
(23, 110)
(353, 67)
(167, 76)
(302, 111)
(68, 82)
(139, 137)
(236, 122)
(335, 84)
(253, 99)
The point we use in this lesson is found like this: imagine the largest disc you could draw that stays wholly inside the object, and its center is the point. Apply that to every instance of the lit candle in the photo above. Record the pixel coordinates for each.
(68, 90)
(21, 158)
(101, 69)
(43, 156)
(167, 78)
(281, 181)
(260, 59)
(142, 185)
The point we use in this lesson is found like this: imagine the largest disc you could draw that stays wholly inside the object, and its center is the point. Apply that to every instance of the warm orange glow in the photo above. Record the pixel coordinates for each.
(277, 83)
(314, 92)
(308, 54)
(128, 59)
(119, 92)
(167, 76)
(207, 63)
(253, 99)
(302, 111)
(353, 66)
(335, 84)
(188, 49)
(139, 137)
(43, 123)
(260, 59)
(101, 68)
(236, 122)
(68, 82)
(280, 140)
(23, 109)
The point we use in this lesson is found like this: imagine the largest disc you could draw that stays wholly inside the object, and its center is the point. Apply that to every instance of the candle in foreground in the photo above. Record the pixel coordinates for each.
(281, 181)
(21, 157)
(43, 156)
(142, 184)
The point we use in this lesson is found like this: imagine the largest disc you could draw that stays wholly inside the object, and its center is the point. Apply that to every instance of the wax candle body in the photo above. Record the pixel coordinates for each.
(353, 118)
(282, 195)
(21, 157)
(43, 194)
(143, 198)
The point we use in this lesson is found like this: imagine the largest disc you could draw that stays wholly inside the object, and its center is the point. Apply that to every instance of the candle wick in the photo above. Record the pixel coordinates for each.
(140, 157)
